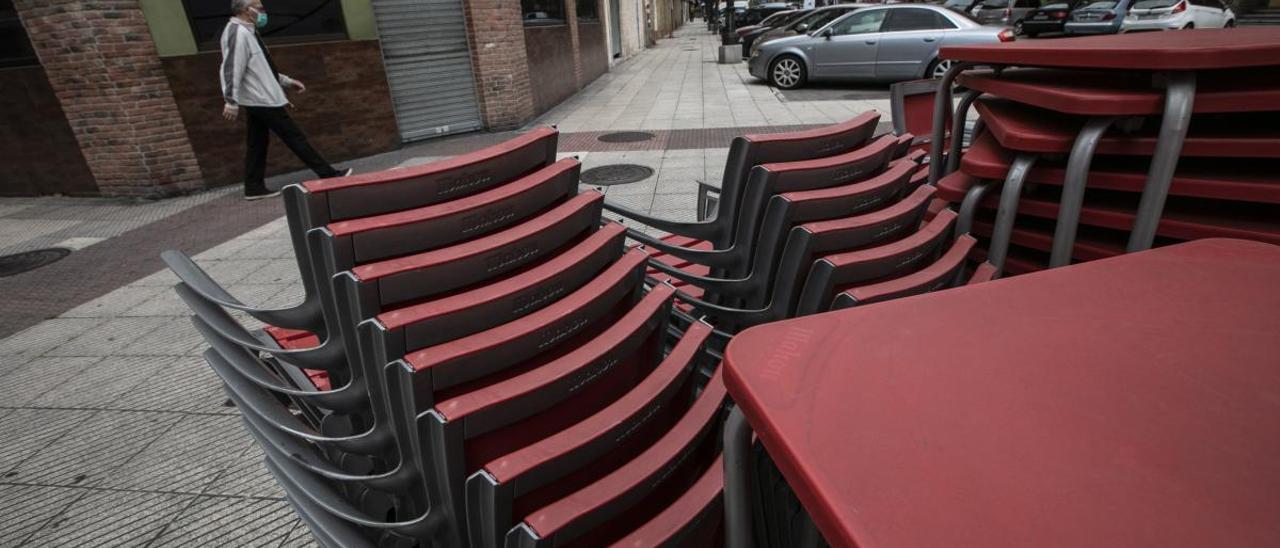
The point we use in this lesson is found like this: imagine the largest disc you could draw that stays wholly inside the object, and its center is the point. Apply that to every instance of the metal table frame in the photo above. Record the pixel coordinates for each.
(1180, 87)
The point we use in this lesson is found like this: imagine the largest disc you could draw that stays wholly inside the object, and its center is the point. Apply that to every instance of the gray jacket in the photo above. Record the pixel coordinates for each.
(246, 75)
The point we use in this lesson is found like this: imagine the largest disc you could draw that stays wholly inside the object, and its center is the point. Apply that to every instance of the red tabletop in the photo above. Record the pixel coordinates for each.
(1184, 50)
(1132, 401)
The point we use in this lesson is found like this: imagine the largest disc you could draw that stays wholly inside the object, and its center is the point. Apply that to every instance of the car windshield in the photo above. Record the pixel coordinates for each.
(818, 19)
(1052, 7)
(1153, 4)
(1097, 5)
(775, 19)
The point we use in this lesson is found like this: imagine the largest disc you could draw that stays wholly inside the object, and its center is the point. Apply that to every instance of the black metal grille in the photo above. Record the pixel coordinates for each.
(626, 137)
(616, 174)
(11, 265)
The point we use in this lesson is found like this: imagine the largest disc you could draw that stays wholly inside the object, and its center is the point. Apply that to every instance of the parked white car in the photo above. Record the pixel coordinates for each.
(1145, 15)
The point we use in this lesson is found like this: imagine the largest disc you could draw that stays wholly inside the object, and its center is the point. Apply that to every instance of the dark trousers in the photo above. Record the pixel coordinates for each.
(277, 120)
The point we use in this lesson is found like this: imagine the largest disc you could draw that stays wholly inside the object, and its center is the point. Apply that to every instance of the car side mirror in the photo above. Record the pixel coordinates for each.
(802, 27)
(827, 33)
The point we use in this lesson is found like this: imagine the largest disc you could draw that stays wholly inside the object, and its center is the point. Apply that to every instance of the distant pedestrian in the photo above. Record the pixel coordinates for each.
(250, 80)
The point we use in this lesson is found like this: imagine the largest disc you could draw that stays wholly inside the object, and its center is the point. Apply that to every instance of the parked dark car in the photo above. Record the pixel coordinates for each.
(815, 20)
(754, 16)
(1047, 18)
(1010, 13)
(749, 35)
(1097, 17)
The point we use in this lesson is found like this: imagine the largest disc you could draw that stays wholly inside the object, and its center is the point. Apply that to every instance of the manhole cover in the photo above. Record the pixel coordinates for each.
(616, 174)
(626, 137)
(18, 263)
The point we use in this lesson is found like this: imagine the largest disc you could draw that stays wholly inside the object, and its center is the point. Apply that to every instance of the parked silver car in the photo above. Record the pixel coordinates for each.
(886, 43)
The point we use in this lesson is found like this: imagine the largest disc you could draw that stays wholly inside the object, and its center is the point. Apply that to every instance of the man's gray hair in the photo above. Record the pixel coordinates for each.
(238, 6)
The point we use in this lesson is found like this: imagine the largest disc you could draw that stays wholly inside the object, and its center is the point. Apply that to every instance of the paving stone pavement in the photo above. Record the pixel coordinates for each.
(114, 431)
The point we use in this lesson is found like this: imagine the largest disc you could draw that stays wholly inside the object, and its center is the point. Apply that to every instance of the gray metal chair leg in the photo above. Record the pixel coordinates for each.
(1179, 96)
(941, 104)
(1010, 194)
(1073, 186)
(957, 130)
(969, 206)
(737, 481)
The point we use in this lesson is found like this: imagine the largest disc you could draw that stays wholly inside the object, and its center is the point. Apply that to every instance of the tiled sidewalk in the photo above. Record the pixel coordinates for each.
(114, 430)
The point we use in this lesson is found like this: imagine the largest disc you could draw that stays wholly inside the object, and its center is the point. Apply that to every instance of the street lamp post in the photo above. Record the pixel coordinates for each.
(728, 31)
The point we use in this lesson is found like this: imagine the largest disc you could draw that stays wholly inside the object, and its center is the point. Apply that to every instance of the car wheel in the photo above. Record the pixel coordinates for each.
(787, 72)
(938, 68)
(1231, 23)
(1017, 29)
(1189, 26)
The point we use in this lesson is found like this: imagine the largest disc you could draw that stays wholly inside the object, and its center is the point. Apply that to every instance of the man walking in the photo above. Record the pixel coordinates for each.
(250, 80)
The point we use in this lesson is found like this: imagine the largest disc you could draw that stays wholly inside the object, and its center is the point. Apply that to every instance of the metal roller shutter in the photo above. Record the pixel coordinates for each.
(428, 60)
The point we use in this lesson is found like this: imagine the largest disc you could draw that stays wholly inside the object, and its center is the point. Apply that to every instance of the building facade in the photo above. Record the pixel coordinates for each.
(121, 97)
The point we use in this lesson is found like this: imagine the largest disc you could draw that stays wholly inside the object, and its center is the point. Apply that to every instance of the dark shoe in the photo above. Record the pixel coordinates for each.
(340, 173)
(259, 194)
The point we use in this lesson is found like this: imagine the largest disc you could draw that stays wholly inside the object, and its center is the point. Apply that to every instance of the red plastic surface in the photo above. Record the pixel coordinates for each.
(881, 147)
(859, 122)
(1226, 179)
(528, 139)
(697, 511)
(526, 281)
(631, 406)
(644, 468)
(930, 278)
(985, 272)
(1025, 128)
(462, 354)
(1124, 402)
(381, 269)
(562, 368)
(1183, 219)
(460, 206)
(1198, 49)
(1094, 93)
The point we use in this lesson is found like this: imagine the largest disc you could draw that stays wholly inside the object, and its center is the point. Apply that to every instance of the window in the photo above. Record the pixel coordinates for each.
(289, 21)
(819, 19)
(588, 10)
(862, 22)
(543, 12)
(15, 47)
(905, 19)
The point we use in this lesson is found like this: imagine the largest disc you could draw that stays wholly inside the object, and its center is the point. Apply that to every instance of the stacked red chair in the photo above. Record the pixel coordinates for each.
(1113, 144)
(813, 228)
(479, 361)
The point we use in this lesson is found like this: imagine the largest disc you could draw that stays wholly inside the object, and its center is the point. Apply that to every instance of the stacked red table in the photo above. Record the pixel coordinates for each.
(1165, 75)
(1132, 401)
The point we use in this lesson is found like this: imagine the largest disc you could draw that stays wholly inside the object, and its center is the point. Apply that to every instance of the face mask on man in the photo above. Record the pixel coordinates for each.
(261, 20)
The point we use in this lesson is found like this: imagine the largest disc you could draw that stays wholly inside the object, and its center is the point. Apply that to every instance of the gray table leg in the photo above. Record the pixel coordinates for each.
(1010, 194)
(1073, 186)
(1179, 96)
(941, 104)
(969, 206)
(737, 481)
(957, 130)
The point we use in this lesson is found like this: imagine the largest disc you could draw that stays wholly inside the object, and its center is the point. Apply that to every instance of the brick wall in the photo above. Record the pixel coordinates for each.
(346, 112)
(552, 71)
(501, 67)
(103, 67)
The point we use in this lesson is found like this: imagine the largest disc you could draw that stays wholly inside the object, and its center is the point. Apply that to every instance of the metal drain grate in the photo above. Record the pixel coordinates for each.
(616, 174)
(12, 265)
(625, 137)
